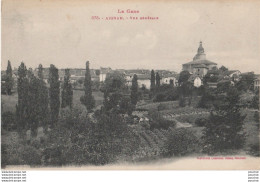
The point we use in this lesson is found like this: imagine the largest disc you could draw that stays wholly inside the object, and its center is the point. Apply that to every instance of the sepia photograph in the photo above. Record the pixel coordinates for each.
(130, 85)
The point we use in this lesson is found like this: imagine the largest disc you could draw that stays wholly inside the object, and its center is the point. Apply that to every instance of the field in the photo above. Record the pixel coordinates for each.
(9, 101)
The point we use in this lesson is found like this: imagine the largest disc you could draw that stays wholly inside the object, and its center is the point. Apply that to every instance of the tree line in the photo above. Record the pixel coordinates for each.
(39, 104)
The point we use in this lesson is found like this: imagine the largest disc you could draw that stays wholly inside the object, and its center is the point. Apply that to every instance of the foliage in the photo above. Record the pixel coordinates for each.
(200, 122)
(134, 90)
(152, 87)
(224, 130)
(255, 100)
(180, 142)
(88, 99)
(166, 93)
(246, 99)
(54, 93)
(157, 80)
(9, 79)
(67, 92)
(182, 101)
(158, 122)
(82, 142)
(246, 82)
(223, 86)
(126, 106)
(184, 76)
(207, 98)
(8, 121)
(23, 91)
(223, 69)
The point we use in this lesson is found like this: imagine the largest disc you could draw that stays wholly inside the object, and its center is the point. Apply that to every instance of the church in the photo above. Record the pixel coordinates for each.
(199, 67)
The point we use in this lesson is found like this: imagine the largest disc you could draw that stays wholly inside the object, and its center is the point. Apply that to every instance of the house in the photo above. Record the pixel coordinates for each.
(103, 73)
(233, 74)
(196, 80)
(257, 81)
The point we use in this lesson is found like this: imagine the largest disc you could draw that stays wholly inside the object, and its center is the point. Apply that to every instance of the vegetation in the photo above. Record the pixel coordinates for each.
(134, 90)
(54, 94)
(224, 130)
(9, 79)
(88, 99)
(67, 92)
(152, 87)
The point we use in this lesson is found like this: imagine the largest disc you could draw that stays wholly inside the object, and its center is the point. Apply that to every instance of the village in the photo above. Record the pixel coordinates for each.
(101, 116)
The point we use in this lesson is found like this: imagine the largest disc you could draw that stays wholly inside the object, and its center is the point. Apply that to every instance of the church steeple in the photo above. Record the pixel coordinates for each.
(200, 54)
(200, 49)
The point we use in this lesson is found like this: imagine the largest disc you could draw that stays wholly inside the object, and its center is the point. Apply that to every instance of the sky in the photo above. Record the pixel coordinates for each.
(62, 33)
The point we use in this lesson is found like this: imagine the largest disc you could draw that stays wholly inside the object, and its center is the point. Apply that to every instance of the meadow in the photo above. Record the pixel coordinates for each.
(9, 101)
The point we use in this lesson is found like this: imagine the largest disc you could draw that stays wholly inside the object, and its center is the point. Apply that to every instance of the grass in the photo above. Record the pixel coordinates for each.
(9, 101)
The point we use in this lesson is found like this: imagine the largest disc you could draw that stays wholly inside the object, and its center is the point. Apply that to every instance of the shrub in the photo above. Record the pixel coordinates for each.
(158, 122)
(180, 142)
(8, 121)
(200, 122)
(30, 156)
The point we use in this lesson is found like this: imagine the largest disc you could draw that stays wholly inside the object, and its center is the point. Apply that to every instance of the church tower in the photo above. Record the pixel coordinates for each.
(200, 53)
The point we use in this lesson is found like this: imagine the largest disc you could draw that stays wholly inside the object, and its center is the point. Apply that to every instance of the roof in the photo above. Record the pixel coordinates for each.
(143, 77)
(200, 66)
(105, 70)
(206, 62)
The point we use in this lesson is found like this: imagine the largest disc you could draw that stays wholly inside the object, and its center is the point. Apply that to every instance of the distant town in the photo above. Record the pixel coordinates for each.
(198, 68)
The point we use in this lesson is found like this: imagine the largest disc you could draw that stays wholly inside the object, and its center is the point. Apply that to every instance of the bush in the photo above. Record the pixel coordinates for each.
(158, 122)
(30, 156)
(180, 142)
(8, 121)
(200, 122)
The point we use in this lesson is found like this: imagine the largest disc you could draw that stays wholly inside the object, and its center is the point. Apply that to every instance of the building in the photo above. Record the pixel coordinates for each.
(257, 82)
(103, 73)
(200, 65)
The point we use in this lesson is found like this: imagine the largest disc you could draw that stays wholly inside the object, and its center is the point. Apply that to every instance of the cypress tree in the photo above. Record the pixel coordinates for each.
(134, 90)
(88, 99)
(54, 93)
(22, 90)
(43, 98)
(152, 81)
(9, 79)
(67, 92)
(40, 72)
(33, 112)
(158, 79)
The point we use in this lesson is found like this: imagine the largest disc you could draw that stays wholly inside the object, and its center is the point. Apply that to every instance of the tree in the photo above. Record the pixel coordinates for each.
(67, 92)
(152, 87)
(87, 99)
(34, 111)
(246, 82)
(22, 105)
(224, 130)
(223, 69)
(9, 79)
(40, 72)
(255, 100)
(158, 79)
(54, 93)
(207, 98)
(184, 76)
(114, 89)
(43, 98)
(134, 90)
